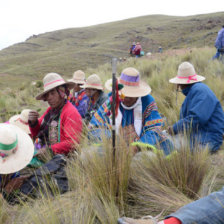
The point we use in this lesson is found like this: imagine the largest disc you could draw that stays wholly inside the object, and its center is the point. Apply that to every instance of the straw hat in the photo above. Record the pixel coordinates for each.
(186, 74)
(51, 81)
(16, 149)
(78, 77)
(21, 120)
(93, 82)
(133, 86)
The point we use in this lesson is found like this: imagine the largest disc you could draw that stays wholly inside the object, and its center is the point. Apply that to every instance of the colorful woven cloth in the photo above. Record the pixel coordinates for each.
(150, 120)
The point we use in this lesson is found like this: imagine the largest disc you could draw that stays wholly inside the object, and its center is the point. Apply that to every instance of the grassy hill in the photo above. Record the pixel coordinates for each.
(65, 51)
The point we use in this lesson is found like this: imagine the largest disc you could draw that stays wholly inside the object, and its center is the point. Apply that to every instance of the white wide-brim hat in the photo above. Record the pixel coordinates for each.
(186, 75)
(20, 158)
(93, 82)
(21, 120)
(78, 77)
(51, 81)
(133, 86)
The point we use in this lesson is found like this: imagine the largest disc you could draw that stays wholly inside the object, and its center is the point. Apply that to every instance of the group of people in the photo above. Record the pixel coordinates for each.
(136, 50)
(80, 101)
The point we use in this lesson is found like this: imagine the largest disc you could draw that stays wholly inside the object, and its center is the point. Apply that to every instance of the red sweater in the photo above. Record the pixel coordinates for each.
(70, 129)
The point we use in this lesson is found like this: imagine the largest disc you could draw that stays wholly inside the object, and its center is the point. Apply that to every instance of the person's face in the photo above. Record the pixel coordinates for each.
(77, 87)
(90, 92)
(53, 98)
(182, 86)
(129, 101)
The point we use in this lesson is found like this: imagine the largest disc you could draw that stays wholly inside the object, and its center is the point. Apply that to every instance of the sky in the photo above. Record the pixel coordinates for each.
(20, 19)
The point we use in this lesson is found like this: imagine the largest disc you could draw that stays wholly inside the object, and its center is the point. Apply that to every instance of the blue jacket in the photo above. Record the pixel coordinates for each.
(202, 115)
(219, 43)
(151, 132)
(206, 210)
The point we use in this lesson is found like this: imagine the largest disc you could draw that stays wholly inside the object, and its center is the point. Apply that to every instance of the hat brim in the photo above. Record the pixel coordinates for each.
(131, 91)
(177, 80)
(85, 86)
(70, 85)
(15, 121)
(76, 81)
(21, 157)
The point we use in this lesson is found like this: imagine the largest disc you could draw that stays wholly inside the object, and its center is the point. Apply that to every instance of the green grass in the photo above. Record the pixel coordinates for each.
(65, 51)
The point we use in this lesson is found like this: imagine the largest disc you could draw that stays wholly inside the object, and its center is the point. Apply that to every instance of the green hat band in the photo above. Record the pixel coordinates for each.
(9, 147)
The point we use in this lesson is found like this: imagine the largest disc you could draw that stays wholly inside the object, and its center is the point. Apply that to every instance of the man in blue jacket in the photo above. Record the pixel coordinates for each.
(201, 114)
(219, 44)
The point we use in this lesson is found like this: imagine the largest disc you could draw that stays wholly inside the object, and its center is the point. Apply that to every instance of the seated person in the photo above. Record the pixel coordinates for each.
(137, 50)
(60, 127)
(79, 98)
(16, 152)
(21, 121)
(137, 117)
(131, 50)
(94, 90)
(201, 114)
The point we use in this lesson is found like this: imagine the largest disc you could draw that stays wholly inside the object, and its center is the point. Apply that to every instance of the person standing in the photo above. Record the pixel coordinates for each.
(219, 44)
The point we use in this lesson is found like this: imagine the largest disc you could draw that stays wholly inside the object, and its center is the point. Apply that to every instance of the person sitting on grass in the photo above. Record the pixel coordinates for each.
(137, 117)
(131, 50)
(60, 127)
(94, 90)
(201, 114)
(58, 132)
(21, 121)
(16, 152)
(206, 210)
(79, 98)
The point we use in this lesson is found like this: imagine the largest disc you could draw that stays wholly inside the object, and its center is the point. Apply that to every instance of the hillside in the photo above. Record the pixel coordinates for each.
(64, 51)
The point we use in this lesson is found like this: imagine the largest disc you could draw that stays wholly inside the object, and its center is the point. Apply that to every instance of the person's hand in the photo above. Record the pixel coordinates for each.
(170, 130)
(41, 153)
(33, 117)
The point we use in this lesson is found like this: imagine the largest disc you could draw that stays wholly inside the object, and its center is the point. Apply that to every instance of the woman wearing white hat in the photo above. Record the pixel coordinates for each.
(201, 113)
(60, 126)
(16, 151)
(94, 90)
(138, 119)
(79, 98)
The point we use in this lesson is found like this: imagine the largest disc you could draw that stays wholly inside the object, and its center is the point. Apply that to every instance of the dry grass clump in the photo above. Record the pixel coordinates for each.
(167, 183)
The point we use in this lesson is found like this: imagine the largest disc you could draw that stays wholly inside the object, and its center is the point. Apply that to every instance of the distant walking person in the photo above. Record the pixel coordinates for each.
(219, 44)
(79, 98)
